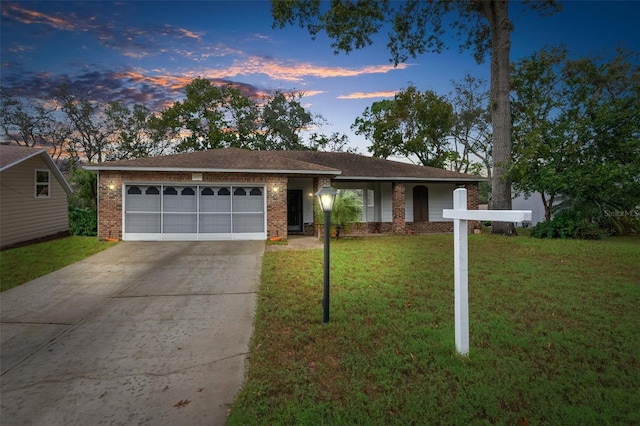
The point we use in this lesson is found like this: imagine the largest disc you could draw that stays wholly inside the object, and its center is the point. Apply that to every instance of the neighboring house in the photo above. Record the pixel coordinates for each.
(33, 196)
(240, 194)
(533, 203)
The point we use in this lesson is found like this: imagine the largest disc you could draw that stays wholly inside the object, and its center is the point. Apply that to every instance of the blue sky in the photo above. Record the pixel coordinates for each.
(147, 51)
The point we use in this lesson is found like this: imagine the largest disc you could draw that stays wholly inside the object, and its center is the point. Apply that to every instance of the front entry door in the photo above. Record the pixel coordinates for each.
(294, 210)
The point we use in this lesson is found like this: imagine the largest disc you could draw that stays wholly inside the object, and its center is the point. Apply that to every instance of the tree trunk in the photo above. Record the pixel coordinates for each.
(497, 15)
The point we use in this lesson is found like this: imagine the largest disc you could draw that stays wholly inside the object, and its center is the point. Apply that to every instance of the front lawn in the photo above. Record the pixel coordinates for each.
(27, 263)
(555, 332)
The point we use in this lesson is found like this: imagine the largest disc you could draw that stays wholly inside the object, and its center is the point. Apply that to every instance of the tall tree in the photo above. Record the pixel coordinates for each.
(542, 148)
(577, 132)
(32, 125)
(413, 124)
(472, 128)
(91, 131)
(211, 117)
(137, 132)
(282, 121)
(416, 27)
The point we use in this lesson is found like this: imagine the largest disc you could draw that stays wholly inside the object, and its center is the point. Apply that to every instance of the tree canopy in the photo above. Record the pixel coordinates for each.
(577, 132)
(414, 123)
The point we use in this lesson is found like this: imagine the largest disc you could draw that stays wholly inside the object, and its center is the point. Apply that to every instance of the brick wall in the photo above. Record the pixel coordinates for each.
(110, 195)
(473, 203)
(276, 206)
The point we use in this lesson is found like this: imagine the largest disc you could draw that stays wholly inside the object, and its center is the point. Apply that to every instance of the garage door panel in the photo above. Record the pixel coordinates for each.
(248, 222)
(215, 223)
(142, 223)
(179, 223)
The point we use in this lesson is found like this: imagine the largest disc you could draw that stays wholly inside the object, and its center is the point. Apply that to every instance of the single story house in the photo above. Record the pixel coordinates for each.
(234, 193)
(33, 196)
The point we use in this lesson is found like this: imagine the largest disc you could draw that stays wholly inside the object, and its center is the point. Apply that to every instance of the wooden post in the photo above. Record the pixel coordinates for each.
(460, 216)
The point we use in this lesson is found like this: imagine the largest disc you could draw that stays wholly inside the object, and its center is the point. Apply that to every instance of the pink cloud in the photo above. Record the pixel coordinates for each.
(368, 95)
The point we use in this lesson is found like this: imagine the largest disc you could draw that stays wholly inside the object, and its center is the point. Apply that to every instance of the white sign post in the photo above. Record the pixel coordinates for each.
(460, 216)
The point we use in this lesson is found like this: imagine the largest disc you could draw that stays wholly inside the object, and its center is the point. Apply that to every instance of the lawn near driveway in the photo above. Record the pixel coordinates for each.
(554, 332)
(19, 265)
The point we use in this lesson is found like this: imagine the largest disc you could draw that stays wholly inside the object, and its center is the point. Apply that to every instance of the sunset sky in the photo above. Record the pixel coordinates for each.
(147, 51)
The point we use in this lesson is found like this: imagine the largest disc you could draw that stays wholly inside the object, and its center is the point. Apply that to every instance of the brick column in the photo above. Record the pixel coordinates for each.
(109, 205)
(473, 202)
(277, 206)
(398, 207)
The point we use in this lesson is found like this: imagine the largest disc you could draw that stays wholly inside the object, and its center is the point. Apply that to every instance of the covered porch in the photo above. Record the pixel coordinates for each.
(388, 207)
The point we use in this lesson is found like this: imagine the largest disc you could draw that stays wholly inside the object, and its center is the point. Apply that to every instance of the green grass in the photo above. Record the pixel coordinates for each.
(554, 324)
(24, 264)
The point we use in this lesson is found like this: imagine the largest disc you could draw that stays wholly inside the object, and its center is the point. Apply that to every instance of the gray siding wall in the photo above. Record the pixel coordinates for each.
(24, 217)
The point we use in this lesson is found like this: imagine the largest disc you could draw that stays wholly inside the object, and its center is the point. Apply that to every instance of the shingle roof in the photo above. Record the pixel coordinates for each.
(219, 160)
(344, 166)
(360, 167)
(14, 154)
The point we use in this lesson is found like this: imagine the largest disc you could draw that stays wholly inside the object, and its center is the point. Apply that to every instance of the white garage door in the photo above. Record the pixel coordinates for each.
(194, 212)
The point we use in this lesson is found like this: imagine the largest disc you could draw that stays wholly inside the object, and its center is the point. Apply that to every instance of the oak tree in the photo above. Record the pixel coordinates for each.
(413, 124)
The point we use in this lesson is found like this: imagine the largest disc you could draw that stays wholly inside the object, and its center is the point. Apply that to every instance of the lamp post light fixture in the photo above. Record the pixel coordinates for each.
(326, 196)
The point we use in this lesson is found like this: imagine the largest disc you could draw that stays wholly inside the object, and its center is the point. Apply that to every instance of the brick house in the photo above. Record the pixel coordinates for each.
(240, 194)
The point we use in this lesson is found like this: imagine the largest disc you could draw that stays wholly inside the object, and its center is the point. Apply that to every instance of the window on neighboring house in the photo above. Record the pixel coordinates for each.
(42, 189)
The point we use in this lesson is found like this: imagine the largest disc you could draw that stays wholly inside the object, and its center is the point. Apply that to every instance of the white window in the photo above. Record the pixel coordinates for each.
(370, 205)
(42, 186)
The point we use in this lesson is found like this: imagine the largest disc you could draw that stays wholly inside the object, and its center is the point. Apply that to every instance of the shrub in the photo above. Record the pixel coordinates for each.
(83, 222)
(567, 225)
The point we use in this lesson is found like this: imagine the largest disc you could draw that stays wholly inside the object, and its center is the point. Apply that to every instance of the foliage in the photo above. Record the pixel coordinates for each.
(214, 117)
(414, 123)
(347, 209)
(85, 188)
(137, 132)
(83, 213)
(282, 120)
(211, 117)
(577, 132)
(83, 222)
(336, 142)
(567, 225)
(387, 357)
(23, 264)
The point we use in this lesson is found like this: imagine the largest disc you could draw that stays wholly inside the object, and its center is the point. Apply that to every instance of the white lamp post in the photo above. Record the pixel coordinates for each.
(326, 196)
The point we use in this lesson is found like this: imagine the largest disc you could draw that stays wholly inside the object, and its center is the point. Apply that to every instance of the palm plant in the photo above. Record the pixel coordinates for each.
(347, 209)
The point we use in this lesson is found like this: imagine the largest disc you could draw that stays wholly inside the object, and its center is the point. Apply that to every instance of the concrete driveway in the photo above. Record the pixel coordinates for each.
(143, 333)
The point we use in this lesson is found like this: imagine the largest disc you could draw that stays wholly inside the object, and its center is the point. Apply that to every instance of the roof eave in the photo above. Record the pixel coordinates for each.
(412, 179)
(210, 170)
